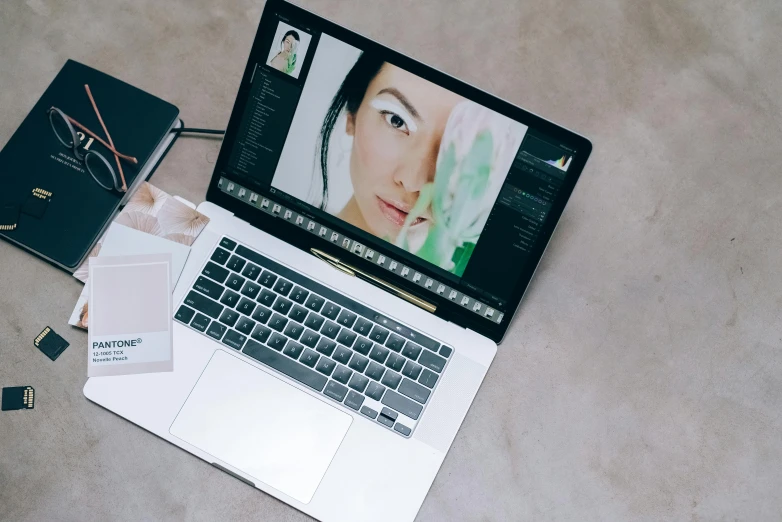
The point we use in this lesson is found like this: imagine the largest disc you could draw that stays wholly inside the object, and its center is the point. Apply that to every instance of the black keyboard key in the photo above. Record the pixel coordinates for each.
(309, 338)
(230, 298)
(261, 333)
(335, 390)
(216, 330)
(229, 317)
(200, 322)
(234, 282)
(277, 341)
(375, 371)
(446, 351)
(283, 287)
(369, 412)
(358, 382)
(432, 361)
(346, 318)
(261, 314)
(342, 374)
(245, 325)
(267, 298)
(282, 305)
(346, 337)
(331, 310)
(379, 353)
(382, 419)
(363, 326)
(236, 263)
(184, 314)
(246, 306)
(391, 414)
(407, 333)
(287, 366)
(414, 390)
(326, 347)
(299, 295)
(379, 334)
(395, 343)
(278, 322)
(428, 378)
(309, 357)
(401, 428)
(203, 304)
(267, 279)
(294, 330)
(363, 346)
(358, 362)
(391, 379)
(330, 329)
(293, 349)
(251, 289)
(234, 339)
(251, 271)
(314, 321)
(325, 366)
(226, 243)
(411, 370)
(314, 302)
(411, 350)
(215, 272)
(375, 391)
(298, 313)
(342, 354)
(402, 404)
(354, 400)
(385, 417)
(395, 362)
(220, 256)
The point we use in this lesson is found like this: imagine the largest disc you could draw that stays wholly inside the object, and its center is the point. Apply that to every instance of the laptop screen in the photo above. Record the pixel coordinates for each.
(341, 139)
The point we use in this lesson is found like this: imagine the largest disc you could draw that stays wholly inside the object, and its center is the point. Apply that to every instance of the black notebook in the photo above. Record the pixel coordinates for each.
(49, 203)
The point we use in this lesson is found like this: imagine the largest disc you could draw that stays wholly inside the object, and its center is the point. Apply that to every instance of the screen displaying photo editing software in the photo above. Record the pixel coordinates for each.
(395, 162)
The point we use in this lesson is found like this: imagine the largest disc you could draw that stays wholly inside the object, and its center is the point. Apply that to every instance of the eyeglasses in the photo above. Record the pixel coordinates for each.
(97, 165)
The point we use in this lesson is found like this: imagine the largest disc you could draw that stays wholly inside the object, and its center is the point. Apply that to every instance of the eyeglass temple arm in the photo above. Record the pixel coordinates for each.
(108, 136)
(99, 140)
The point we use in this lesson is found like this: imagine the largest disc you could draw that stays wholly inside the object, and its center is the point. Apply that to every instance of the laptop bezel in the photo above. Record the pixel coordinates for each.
(298, 237)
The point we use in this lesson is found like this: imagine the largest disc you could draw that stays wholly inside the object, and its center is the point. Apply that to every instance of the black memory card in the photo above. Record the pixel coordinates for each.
(50, 343)
(37, 203)
(9, 216)
(18, 398)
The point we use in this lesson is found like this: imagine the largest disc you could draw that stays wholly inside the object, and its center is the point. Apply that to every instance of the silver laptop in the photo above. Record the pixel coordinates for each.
(374, 224)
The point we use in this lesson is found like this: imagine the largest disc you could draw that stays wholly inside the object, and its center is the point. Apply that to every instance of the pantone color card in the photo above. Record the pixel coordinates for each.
(130, 315)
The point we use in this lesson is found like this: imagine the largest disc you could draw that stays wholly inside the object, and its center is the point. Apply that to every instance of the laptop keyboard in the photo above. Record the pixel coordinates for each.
(313, 334)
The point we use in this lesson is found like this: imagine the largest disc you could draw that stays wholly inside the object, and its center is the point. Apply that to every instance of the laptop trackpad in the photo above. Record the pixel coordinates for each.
(262, 426)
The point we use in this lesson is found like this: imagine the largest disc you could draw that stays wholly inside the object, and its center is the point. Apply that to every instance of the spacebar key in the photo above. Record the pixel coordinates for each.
(283, 364)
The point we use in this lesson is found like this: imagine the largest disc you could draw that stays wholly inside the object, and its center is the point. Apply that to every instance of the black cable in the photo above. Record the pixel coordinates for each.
(197, 131)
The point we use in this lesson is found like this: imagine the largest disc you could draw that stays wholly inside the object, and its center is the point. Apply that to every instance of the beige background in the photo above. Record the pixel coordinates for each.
(642, 378)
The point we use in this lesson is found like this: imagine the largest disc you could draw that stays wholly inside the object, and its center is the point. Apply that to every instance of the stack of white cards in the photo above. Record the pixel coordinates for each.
(130, 315)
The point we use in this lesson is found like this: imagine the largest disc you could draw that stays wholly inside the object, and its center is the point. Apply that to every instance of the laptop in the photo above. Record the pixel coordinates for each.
(374, 224)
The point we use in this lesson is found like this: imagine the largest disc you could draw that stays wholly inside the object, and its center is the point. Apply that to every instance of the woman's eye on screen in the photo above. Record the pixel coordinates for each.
(395, 116)
(395, 121)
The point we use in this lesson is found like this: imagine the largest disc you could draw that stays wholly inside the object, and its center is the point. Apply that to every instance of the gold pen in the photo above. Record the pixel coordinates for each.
(353, 271)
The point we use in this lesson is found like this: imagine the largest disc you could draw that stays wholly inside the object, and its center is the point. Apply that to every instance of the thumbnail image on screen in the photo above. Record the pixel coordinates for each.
(396, 155)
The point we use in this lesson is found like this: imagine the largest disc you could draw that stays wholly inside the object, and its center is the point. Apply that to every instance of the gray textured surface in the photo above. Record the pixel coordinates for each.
(642, 379)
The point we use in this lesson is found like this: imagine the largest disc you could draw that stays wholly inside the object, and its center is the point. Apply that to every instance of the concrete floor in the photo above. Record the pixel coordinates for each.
(642, 378)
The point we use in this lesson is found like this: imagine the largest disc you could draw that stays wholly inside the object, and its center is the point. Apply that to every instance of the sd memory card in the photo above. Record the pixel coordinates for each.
(50, 343)
(18, 398)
